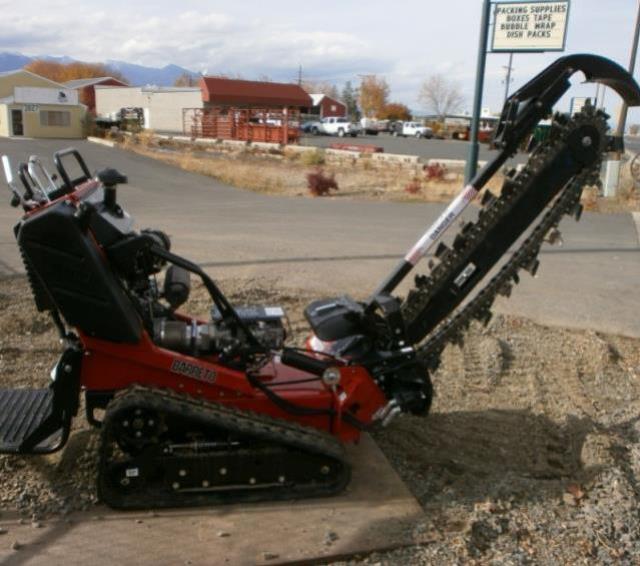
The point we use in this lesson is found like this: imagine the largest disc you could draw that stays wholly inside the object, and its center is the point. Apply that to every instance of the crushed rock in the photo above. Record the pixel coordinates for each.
(531, 453)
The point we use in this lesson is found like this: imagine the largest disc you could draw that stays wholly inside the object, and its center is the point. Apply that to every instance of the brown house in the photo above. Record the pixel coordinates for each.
(325, 106)
(86, 89)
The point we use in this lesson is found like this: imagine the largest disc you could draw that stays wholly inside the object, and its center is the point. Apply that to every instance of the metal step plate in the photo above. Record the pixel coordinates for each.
(21, 412)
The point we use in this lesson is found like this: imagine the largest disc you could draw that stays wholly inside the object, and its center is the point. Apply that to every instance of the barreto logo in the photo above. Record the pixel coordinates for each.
(194, 371)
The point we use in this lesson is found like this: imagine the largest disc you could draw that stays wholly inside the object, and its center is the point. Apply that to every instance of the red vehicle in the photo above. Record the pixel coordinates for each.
(198, 411)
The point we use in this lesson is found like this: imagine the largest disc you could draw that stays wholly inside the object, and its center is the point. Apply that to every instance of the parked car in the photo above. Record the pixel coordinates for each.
(369, 126)
(309, 126)
(334, 126)
(411, 129)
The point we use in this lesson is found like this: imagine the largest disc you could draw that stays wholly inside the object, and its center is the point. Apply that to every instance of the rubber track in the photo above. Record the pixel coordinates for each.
(278, 431)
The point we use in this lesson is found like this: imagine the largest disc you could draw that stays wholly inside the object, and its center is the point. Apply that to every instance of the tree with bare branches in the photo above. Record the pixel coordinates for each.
(320, 87)
(440, 95)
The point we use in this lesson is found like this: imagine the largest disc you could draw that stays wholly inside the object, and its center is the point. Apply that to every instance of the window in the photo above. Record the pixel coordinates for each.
(55, 118)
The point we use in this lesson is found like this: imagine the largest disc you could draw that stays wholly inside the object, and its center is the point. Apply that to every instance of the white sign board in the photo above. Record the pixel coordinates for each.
(39, 95)
(530, 26)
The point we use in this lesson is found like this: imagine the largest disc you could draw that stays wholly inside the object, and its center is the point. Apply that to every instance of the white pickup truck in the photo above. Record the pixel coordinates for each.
(413, 129)
(334, 126)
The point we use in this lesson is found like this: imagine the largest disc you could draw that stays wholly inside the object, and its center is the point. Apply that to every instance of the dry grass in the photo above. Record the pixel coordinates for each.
(285, 173)
(286, 176)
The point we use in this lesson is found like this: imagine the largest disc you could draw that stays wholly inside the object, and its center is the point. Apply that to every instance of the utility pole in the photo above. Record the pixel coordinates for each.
(622, 119)
(612, 168)
(300, 74)
(474, 147)
(507, 80)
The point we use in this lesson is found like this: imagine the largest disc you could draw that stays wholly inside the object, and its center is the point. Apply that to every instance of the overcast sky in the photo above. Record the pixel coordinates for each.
(402, 40)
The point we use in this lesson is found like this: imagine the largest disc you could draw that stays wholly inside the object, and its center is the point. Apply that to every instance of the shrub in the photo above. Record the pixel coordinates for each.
(313, 157)
(435, 172)
(413, 187)
(319, 184)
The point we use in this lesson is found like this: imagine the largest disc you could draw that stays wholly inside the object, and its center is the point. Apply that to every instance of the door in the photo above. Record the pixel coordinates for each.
(17, 127)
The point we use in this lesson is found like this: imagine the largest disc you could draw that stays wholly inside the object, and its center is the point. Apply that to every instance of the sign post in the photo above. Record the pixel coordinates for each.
(522, 27)
(472, 160)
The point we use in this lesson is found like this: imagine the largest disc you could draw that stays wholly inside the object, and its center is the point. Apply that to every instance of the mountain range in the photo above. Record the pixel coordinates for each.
(135, 74)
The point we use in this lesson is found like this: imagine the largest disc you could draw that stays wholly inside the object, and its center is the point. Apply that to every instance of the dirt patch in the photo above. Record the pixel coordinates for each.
(531, 453)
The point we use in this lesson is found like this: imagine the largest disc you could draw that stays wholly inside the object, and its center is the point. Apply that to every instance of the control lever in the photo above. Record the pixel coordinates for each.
(43, 180)
(109, 179)
(16, 198)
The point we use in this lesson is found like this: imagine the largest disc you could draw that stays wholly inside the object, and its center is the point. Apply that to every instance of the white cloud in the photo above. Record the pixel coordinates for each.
(334, 41)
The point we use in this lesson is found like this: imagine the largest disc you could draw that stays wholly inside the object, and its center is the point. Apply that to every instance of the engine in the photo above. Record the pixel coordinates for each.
(197, 339)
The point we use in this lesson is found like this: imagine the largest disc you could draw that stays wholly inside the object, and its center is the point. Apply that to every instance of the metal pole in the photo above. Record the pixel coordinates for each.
(622, 119)
(472, 160)
(508, 79)
(611, 180)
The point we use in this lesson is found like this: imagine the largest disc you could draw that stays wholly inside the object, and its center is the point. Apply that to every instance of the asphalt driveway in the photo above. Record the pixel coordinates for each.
(336, 245)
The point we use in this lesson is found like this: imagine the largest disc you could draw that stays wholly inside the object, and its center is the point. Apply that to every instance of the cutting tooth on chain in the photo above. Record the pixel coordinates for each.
(532, 266)
(460, 242)
(466, 228)
(505, 290)
(488, 198)
(554, 237)
(441, 250)
(485, 317)
(577, 212)
(509, 188)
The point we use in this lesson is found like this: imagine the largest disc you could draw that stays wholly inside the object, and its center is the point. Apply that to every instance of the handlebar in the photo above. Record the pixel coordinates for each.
(70, 184)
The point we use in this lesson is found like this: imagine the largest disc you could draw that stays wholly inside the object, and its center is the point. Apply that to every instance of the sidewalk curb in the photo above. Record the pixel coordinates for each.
(101, 141)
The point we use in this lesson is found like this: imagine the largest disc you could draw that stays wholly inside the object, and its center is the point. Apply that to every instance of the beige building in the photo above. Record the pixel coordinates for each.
(161, 106)
(35, 107)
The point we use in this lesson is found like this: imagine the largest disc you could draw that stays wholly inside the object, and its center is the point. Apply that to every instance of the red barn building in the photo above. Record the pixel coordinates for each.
(247, 110)
(325, 106)
(217, 91)
(86, 89)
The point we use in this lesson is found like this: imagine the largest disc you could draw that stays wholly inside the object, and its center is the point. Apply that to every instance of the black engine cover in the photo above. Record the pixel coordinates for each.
(337, 318)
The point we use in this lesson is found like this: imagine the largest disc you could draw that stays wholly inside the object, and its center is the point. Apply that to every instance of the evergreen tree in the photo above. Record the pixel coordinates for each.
(350, 99)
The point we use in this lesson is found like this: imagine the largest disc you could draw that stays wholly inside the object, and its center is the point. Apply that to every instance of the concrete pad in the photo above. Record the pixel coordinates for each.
(234, 144)
(342, 153)
(376, 512)
(396, 158)
(266, 145)
(101, 141)
(302, 149)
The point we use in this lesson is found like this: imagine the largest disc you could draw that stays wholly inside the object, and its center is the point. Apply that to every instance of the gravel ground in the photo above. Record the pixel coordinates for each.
(531, 453)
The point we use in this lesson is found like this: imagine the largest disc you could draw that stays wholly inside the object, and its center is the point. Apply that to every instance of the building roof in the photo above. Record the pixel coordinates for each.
(80, 83)
(152, 88)
(317, 98)
(218, 90)
(17, 71)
